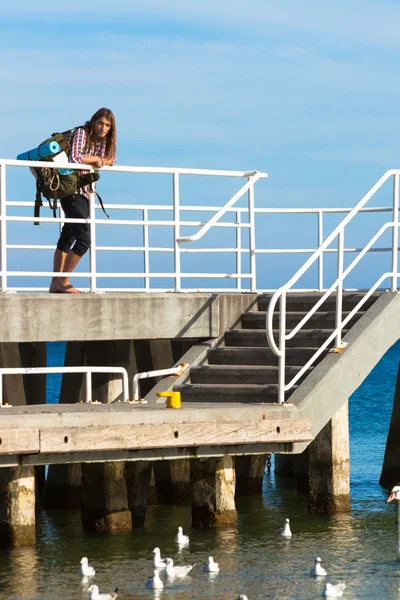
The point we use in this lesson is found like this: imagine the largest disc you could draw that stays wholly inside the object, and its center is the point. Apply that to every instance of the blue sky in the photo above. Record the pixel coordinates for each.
(307, 91)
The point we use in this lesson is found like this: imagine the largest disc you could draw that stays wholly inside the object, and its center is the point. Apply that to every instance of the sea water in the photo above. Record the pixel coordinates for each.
(358, 548)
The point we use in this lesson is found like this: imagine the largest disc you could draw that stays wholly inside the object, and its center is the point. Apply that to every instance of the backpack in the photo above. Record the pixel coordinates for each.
(54, 185)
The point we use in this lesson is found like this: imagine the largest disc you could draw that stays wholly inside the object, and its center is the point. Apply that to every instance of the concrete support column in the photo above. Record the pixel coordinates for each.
(283, 465)
(138, 477)
(172, 479)
(249, 474)
(390, 475)
(329, 466)
(64, 482)
(34, 354)
(63, 486)
(17, 506)
(104, 497)
(13, 386)
(213, 492)
(104, 490)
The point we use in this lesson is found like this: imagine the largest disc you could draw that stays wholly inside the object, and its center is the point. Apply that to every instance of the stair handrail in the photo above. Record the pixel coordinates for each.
(281, 292)
(253, 177)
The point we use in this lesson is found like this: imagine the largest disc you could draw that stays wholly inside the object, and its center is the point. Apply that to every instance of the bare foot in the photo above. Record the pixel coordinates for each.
(59, 288)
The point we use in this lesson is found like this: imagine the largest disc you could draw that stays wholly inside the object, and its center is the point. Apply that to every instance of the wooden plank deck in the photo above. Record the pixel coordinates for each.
(47, 434)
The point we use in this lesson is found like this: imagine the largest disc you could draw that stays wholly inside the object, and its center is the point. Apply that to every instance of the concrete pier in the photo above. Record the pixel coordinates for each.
(390, 475)
(249, 474)
(172, 479)
(213, 492)
(17, 506)
(138, 477)
(329, 466)
(13, 386)
(104, 497)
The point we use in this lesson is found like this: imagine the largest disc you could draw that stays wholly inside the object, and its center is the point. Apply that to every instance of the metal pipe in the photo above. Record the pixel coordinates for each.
(395, 233)
(178, 370)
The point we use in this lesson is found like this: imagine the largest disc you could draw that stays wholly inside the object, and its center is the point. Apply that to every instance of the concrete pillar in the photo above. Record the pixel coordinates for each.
(390, 475)
(283, 465)
(63, 486)
(213, 492)
(172, 479)
(104, 489)
(152, 491)
(17, 506)
(64, 482)
(301, 472)
(138, 477)
(13, 386)
(249, 474)
(329, 466)
(34, 354)
(104, 497)
(107, 388)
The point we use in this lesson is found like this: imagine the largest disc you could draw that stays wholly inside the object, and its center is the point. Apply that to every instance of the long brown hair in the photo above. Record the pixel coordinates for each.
(111, 138)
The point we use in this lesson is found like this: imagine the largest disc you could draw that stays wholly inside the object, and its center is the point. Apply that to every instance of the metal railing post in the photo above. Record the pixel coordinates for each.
(282, 348)
(88, 382)
(177, 249)
(92, 251)
(395, 232)
(238, 251)
(252, 238)
(3, 230)
(321, 257)
(146, 250)
(339, 291)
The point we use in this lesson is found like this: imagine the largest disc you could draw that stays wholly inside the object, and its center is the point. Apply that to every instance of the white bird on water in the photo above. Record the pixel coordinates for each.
(154, 582)
(94, 594)
(158, 562)
(180, 537)
(285, 530)
(85, 569)
(395, 495)
(210, 566)
(334, 591)
(318, 570)
(179, 571)
(242, 597)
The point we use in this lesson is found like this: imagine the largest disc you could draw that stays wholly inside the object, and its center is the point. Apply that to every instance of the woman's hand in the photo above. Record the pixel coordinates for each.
(98, 163)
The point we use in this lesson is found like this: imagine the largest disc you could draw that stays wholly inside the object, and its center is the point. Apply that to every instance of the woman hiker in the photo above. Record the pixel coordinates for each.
(97, 151)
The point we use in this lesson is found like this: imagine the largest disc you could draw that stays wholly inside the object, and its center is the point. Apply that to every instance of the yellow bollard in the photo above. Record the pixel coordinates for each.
(173, 399)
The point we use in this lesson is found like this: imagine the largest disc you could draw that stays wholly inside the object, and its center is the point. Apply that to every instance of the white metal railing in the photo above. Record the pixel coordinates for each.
(178, 370)
(88, 371)
(177, 218)
(248, 188)
(337, 286)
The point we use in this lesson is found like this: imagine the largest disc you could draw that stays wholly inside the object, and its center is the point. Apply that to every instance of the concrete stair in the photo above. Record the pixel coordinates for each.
(244, 369)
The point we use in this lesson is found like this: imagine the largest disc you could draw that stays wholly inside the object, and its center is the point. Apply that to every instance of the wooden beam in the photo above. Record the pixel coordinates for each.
(94, 439)
(19, 441)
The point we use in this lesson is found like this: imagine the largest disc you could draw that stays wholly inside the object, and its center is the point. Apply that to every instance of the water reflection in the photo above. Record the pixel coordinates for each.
(23, 571)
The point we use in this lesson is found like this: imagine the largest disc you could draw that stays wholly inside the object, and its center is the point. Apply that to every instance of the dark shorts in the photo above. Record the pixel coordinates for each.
(75, 236)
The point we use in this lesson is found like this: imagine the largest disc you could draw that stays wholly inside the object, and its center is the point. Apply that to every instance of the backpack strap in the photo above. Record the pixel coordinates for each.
(38, 203)
(102, 205)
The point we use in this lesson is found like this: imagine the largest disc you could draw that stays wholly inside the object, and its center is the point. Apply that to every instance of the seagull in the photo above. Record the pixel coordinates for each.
(180, 538)
(395, 495)
(158, 562)
(180, 571)
(242, 597)
(85, 569)
(285, 530)
(318, 570)
(334, 591)
(94, 594)
(210, 566)
(154, 583)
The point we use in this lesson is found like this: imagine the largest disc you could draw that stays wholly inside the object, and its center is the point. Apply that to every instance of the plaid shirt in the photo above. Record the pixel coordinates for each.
(77, 153)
